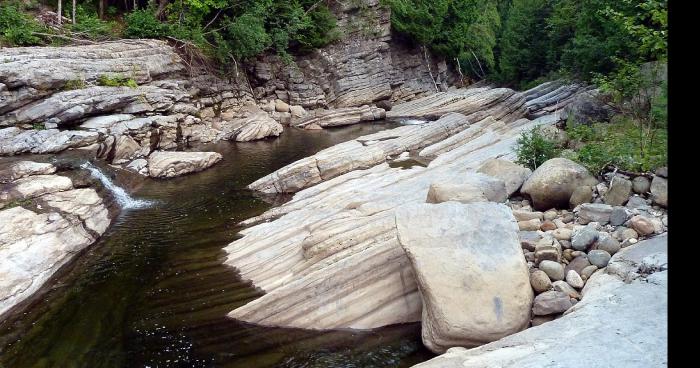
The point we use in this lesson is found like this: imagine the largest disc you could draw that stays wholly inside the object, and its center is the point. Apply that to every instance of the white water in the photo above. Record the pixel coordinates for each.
(122, 197)
(413, 122)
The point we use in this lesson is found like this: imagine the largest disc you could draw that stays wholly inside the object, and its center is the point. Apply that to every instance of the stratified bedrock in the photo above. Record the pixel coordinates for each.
(330, 258)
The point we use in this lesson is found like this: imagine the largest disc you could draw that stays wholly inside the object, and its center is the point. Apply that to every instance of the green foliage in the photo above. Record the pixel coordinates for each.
(74, 84)
(116, 81)
(247, 36)
(38, 126)
(87, 23)
(18, 203)
(17, 27)
(142, 23)
(533, 149)
(621, 144)
(461, 30)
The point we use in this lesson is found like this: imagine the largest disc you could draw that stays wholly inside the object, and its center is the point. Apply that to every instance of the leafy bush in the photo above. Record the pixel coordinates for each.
(621, 144)
(116, 81)
(533, 149)
(16, 27)
(89, 24)
(142, 23)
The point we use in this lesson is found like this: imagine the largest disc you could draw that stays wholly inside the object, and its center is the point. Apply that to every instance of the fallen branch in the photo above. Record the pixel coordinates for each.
(64, 37)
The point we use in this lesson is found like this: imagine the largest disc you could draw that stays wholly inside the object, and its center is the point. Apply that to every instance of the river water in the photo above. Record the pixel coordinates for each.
(153, 291)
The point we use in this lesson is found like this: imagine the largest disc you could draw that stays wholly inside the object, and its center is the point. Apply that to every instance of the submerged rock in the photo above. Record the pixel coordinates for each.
(470, 271)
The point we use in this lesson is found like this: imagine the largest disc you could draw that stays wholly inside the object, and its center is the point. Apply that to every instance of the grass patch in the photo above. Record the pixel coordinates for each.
(74, 84)
(116, 81)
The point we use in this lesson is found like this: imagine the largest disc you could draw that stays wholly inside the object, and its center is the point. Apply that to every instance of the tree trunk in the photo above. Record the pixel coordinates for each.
(102, 9)
(161, 8)
(59, 11)
(427, 62)
(73, 12)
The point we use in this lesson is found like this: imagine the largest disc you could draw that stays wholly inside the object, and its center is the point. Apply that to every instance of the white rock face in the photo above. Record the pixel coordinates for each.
(23, 169)
(34, 186)
(162, 164)
(623, 306)
(470, 270)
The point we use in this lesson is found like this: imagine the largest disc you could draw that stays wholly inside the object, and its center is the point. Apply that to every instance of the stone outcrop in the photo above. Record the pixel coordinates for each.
(162, 164)
(552, 184)
(257, 126)
(365, 66)
(453, 132)
(624, 305)
(470, 272)
(44, 222)
(330, 257)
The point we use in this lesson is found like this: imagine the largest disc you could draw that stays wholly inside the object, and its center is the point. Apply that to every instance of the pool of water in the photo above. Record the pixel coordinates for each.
(153, 291)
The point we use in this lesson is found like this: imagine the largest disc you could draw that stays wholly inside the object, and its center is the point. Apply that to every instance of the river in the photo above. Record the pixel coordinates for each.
(153, 291)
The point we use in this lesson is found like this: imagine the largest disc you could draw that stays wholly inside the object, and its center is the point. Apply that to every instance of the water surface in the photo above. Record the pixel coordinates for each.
(153, 291)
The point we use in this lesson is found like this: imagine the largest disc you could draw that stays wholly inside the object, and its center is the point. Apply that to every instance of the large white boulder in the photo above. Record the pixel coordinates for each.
(553, 183)
(470, 271)
(624, 306)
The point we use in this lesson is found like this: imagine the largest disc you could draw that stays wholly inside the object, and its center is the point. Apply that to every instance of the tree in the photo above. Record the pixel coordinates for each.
(73, 12)
(59, 11)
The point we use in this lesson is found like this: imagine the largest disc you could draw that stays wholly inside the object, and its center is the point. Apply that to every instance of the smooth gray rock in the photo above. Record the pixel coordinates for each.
(539, 281)
(584, 238)
(553, 269)
(641, 184)
(659, 191)
(513, 175)
(636, 202)
(582, 194)
(607, 243)
(619, 191)
(551, 302)
(451, 245)
(599, 258)
(594, 212)
(618, 216)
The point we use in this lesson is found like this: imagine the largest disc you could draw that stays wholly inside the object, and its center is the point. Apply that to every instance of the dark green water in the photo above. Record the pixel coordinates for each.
(153, 291)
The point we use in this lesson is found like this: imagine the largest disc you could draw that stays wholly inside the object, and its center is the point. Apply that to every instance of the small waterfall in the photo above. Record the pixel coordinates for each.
(122, 197)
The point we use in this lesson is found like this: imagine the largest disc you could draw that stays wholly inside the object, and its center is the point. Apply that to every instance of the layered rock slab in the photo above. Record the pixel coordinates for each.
(330, 258)
(470, 271)
(624, 306)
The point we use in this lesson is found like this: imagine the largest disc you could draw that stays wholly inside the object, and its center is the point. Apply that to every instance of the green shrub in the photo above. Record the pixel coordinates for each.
(622, 144)
(38, 126)
(533, 149)
(142, 23)
(116, 81)
(16, 27)
(89, 24)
